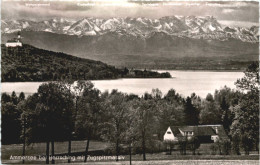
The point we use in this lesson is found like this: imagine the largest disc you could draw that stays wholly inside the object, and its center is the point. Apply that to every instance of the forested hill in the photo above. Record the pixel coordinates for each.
(28, 63)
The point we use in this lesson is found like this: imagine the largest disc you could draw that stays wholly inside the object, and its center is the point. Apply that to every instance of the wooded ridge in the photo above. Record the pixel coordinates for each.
(29, 63)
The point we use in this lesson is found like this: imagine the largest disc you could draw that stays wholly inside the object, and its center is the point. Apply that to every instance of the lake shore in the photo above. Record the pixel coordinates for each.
(184, 82)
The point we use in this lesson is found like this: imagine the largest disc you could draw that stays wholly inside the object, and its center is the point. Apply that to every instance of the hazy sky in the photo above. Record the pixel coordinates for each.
(233, 13)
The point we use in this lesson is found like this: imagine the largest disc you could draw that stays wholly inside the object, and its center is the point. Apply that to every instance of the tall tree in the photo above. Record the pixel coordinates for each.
(225, 98)
(21, 97)
(48, 114)
(196, 101)
(116, 113)
(211, 112)
(88, 114)
(246, 120)
(156, 93)
(169, 114)
(191, 113)
(67, 85)
(250, 82)
(5, 98)
(172, 96)
(14, 98)
(11, 125)
(145, 122)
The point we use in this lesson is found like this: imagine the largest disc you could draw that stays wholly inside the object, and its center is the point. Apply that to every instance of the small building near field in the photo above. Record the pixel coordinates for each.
(204, 133)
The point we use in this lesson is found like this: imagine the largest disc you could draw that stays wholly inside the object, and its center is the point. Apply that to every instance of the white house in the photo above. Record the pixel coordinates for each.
(205, 133)
(169, 135)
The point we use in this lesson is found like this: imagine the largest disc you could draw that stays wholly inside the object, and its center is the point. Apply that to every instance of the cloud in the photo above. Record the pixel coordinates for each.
(230, 4)
(245, 24)
(227, 11)
(234, 11)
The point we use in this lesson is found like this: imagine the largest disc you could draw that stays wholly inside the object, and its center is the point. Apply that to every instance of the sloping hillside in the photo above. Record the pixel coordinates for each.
(28, 63)
(157, 51)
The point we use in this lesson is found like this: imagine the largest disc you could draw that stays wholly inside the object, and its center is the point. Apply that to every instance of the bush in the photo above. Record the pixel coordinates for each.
(183, 145)
(213, 149)
(169, 147)
(153, 146)
(247, 144)
(226, 147)
(108, 151)
(193, 144)
(123, 150)
(235, 144)
(223, 146)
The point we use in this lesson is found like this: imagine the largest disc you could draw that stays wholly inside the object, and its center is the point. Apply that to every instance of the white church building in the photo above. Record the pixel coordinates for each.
(15, 42)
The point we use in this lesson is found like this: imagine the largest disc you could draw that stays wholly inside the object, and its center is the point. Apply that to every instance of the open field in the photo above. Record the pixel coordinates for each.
(183, 162)
(172, 161)
(40, 148)
(78, 148)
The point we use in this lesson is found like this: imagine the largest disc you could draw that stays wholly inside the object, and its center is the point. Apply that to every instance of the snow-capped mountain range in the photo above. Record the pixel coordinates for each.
(207, 28)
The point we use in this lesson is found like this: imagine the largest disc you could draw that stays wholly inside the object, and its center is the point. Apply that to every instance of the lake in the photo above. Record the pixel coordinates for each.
(184, 82)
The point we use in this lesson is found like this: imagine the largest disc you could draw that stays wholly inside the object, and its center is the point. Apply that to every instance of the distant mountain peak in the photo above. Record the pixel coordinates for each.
(206, 27)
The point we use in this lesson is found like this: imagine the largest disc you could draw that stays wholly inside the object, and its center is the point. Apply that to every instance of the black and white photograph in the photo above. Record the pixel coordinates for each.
(130, 82)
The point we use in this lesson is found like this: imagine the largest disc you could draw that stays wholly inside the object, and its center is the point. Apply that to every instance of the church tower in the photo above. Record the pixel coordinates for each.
(19, 35)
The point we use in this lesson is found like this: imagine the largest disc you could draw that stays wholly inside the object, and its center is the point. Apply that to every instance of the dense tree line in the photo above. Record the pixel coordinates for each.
(62, 109)
(11, 113)
(28, 63)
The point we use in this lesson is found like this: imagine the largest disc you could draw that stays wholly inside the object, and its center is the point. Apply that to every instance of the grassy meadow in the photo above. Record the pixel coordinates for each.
(202, 155)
